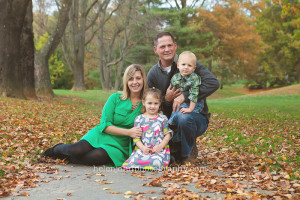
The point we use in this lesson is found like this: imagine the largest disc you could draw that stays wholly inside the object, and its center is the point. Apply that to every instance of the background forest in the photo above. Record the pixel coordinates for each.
(86, 44)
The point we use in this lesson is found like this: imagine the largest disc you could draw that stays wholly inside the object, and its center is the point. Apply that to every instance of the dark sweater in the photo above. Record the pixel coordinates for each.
(159, 79)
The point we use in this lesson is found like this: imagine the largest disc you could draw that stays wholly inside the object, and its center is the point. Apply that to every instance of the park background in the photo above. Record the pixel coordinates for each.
(66, 57)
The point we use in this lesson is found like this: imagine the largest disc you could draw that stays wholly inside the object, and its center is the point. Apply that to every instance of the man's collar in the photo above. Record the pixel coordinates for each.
(174, 62)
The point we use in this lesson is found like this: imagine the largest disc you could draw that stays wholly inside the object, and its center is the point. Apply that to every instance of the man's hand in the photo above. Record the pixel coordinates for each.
(177, 102)
(171, 94)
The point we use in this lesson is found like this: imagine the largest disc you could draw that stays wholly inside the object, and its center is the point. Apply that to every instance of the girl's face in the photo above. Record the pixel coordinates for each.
(152, 105)
(136, 82)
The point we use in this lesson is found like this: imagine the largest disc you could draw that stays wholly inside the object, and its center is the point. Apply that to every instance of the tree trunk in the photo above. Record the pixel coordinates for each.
(42, 76)
(27, 52)
(298, 71)
(265, 85)
(210, 65)
(115, 40)
(78, 74)
(12, 14)
(74, 43)
(102, 64)
(119, 75)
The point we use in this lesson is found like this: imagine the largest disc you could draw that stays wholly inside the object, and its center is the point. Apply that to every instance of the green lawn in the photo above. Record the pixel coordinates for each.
(95, 96)
(285, 107)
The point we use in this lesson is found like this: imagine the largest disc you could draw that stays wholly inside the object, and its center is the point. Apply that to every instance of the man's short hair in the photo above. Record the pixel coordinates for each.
(161, 34)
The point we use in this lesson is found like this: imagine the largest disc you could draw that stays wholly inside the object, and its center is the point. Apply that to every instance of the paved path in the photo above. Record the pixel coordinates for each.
(84, 182)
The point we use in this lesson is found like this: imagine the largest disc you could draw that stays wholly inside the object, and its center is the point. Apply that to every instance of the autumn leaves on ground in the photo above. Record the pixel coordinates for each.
(252, 144)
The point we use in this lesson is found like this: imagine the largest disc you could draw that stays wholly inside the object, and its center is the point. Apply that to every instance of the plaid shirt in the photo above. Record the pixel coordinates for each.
(189, 83)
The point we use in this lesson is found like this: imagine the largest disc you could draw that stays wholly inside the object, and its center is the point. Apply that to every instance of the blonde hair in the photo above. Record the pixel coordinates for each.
(156, 93)
(130, 70)
(188, 53)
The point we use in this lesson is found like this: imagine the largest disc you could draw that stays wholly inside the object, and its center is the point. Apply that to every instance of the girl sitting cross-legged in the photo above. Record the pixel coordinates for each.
(151, 149)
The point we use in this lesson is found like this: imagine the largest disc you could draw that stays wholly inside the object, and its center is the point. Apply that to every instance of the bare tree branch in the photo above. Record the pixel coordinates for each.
(89, 8)
(102, 24)
(177, 4)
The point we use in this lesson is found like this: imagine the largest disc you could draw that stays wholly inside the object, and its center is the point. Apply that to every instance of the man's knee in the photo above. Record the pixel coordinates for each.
(184, 119)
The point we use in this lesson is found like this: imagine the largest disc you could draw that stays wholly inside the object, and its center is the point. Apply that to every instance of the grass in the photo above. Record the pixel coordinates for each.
(229, 91)
(282, 107)
(95, 96)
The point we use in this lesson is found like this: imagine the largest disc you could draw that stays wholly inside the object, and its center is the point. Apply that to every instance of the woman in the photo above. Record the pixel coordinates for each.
(110, 142)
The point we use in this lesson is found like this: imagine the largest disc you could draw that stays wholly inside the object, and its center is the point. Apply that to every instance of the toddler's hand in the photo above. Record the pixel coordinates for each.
(185, 110)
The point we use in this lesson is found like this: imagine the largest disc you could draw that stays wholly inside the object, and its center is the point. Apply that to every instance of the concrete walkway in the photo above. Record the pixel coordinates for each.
(84, 182)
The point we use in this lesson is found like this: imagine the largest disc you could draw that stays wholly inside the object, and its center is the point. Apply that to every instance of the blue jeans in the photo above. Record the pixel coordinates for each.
(198, 108)
(189, 127)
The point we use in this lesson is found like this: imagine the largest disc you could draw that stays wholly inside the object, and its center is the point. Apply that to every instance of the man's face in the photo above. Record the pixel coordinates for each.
(165, 49)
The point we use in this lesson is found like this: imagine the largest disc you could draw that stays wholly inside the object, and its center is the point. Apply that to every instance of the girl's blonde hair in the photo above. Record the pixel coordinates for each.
(130, 70)
(156, 93)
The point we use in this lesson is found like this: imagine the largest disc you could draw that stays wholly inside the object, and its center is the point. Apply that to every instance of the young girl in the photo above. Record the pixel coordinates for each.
(152, 150)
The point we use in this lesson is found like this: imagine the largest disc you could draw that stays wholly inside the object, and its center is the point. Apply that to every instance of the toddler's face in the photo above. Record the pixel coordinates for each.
(186, 65)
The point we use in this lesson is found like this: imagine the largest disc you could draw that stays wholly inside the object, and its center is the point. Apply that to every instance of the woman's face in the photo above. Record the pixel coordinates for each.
(136, 82)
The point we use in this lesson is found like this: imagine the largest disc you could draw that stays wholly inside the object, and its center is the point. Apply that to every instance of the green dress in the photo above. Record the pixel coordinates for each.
(116, 112)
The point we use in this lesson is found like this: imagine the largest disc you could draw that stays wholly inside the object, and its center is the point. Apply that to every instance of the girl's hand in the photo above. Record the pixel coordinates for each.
(135, 132)
(157, 149)
(146, 150)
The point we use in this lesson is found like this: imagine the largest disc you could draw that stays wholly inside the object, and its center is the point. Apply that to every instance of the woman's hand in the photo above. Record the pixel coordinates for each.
(135, 132)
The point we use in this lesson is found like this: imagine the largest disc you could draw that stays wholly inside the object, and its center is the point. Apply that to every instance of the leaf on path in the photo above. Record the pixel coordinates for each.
(128, 192)
(115, 192)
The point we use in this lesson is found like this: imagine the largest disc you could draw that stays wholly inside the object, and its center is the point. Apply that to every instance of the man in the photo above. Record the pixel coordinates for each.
(189, 125)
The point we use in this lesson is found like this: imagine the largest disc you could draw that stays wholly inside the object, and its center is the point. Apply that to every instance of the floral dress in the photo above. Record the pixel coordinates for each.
(154, 130)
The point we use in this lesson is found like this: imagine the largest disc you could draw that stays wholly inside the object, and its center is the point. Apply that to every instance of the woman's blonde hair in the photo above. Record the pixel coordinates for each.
(156, 93)
(130, 70)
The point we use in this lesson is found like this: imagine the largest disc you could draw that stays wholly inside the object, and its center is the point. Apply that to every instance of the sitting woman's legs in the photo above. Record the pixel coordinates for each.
(78, 149)
(82, 152)
(97, 156)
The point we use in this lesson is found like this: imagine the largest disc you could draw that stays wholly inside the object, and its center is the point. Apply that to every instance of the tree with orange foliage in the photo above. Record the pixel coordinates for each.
(279, 26)
(239, 44)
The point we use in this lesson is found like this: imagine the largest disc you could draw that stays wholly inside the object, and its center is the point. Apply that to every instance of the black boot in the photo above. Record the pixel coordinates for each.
(50, 153)
(193, 155)
(175, 151)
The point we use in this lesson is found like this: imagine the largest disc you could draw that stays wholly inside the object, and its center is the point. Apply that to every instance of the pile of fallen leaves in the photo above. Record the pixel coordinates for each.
(225, 166)
(226, 174)
(235, 171)
(27, 128)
